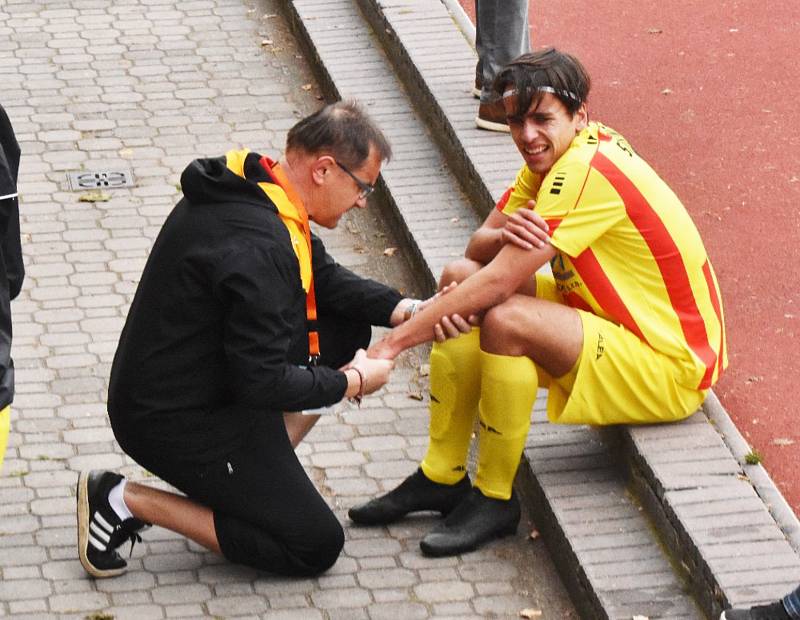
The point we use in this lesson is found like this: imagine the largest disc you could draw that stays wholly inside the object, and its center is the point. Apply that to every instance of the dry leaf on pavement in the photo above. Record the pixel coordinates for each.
(389, 251)
(94, 195)
(530, 613)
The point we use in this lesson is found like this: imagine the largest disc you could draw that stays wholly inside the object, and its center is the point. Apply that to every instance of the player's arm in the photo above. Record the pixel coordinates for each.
(525, 229)
(488, 287)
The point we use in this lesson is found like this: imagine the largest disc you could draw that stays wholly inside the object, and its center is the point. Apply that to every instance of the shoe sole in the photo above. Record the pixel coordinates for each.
(437, 553)
(490, 126)
(476, 92)
(83, 532)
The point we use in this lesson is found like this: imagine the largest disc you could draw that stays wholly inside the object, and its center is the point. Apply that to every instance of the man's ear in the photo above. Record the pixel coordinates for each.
(583, 117)
(321, 169)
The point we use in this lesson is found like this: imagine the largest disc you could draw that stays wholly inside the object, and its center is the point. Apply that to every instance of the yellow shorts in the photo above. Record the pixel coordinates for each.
(618, 379)
(5, 426)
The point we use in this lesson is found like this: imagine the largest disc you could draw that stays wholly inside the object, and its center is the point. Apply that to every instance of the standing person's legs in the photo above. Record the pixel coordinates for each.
(501, 35)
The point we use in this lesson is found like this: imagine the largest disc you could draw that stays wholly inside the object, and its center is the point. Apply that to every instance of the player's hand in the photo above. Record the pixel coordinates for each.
(526, 229)
(454, 325)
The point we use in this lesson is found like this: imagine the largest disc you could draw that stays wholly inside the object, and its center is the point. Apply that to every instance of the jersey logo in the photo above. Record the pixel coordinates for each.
(601, 346)
(558, 183)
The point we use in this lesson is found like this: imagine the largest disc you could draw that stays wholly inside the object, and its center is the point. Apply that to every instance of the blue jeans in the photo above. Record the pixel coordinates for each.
(501, 34)
(792, 603)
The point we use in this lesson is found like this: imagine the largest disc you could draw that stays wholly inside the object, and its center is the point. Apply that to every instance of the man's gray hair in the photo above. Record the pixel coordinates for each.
(343, 130)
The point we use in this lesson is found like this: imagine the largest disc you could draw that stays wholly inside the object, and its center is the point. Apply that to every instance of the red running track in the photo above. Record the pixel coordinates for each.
(706, 92)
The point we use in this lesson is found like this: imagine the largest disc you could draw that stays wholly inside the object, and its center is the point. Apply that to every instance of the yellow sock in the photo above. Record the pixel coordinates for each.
(508, 391)
(5, 426)
(455, 388)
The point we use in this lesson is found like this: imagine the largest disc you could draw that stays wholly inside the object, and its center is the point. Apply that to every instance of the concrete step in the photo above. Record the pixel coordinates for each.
(656, 521)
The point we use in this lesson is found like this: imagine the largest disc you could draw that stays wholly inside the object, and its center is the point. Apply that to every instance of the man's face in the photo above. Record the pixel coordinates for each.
(544, 132)
(342, 192)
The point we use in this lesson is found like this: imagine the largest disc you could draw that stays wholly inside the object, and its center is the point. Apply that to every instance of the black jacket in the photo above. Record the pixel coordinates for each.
(217, 332)
(12, 270)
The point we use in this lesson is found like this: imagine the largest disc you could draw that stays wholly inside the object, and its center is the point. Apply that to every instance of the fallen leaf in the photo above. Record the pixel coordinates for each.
(782, 441)
(360, 249)
(530, 613)
(266, 42)
(306, 87)
(455, 219)
(654, 31)
(666, 91)
(269, 16)
(390, 251)
(424, 370)
(415, 395)
(534, 534)
(94, 195)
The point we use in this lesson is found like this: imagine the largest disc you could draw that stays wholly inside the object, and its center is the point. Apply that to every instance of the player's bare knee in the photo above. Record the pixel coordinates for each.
(505, 327)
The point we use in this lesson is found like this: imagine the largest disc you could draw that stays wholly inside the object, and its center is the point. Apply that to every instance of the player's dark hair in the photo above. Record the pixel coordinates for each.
(533, 75)
(342, 129)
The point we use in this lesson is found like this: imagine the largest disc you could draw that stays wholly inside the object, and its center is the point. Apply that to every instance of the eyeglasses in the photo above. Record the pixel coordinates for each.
(366, 188)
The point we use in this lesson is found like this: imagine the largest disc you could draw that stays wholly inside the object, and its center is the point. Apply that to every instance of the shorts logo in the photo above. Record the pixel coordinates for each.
(601, 346)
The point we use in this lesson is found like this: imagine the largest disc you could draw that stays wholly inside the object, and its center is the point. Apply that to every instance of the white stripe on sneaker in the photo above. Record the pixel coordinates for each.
(106, 525)
(96, 543)
(98, 531)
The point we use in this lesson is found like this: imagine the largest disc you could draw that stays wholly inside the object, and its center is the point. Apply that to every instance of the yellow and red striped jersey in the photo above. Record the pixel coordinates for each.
(628, 250)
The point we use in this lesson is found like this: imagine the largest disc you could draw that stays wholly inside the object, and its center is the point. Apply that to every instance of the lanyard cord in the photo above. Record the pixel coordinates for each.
(277, 176)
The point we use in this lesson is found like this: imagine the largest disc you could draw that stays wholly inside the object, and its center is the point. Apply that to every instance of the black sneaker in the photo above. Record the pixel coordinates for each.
(476, 520)
(774, 611)
(100, 530)
(415, 493)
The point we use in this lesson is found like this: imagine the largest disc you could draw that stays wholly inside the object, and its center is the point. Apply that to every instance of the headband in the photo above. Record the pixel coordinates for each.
(545, 89)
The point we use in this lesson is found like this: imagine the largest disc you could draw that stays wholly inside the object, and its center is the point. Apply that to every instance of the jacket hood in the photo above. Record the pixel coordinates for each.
(211, 181)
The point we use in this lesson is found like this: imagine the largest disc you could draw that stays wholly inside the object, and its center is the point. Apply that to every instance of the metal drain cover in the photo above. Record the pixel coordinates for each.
(101, 179)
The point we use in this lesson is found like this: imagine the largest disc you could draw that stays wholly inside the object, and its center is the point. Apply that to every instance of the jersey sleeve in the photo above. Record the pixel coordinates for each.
(578, 204)
(525, 188)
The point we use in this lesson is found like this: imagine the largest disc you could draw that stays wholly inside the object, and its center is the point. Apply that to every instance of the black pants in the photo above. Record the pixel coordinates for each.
(267, 513)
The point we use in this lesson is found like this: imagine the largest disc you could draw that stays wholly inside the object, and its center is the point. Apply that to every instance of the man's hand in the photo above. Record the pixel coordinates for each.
(373, 372)
(526, 229)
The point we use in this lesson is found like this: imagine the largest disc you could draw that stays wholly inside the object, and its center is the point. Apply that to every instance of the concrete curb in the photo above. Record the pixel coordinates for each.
(765, 487)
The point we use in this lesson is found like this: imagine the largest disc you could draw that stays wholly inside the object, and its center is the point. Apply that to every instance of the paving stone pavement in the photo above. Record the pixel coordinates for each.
(144, 86)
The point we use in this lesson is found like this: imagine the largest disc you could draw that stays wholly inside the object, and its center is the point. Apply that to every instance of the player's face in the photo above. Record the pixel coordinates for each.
(544, 132)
